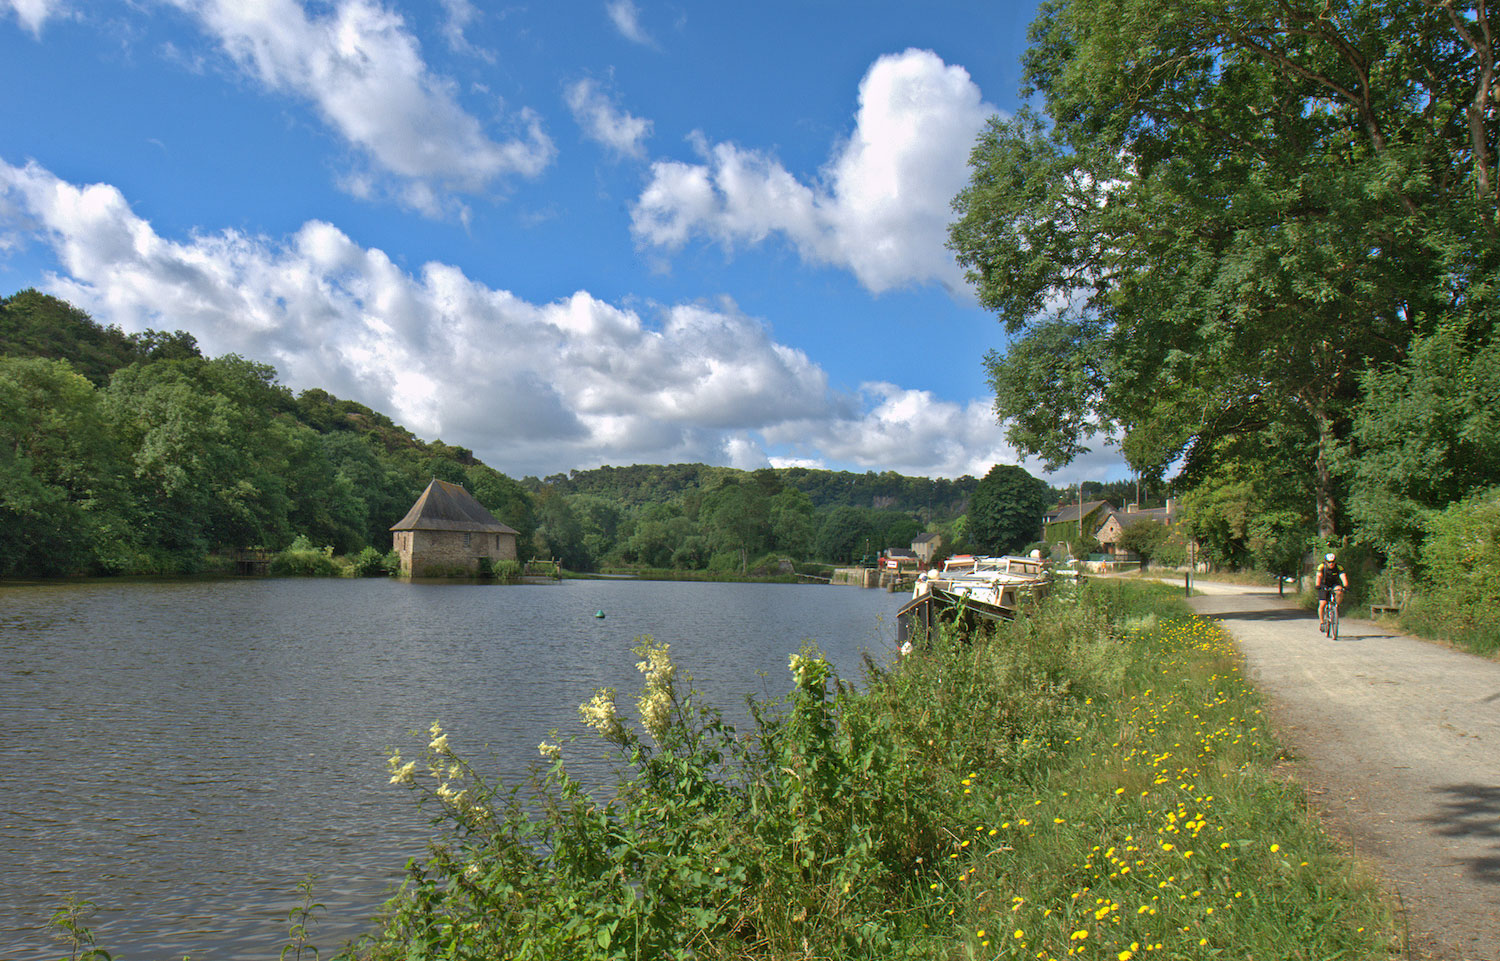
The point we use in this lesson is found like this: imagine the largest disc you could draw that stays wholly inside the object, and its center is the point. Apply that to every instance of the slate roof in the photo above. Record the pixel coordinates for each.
(448, 507)
(1071, 512)
(924, 538)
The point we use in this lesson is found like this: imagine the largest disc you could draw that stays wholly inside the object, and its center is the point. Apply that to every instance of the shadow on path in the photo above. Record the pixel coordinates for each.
(1471, 811)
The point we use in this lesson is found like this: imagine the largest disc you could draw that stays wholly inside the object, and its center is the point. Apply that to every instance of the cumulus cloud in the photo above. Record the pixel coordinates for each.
(532, 388)
(627, 19)
(363, 72)
(31, 14)
(606, 123)
(880, 207)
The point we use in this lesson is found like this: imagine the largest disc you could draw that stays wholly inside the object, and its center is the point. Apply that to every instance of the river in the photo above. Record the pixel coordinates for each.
(183, 753)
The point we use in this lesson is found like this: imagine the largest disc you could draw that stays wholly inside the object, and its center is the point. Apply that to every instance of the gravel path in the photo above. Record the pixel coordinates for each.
(1397, 742)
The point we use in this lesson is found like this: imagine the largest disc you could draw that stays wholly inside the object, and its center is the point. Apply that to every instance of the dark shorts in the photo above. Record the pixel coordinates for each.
(1326, 593)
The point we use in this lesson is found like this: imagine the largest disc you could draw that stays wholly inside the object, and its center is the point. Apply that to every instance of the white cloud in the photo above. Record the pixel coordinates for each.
(363, 72)
(461, 13)
(880, 207)
(627, 19)
(602, 121)
(31, 14)
(532, 388)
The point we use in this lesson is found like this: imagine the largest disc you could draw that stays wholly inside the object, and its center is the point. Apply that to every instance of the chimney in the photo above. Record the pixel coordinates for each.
(1132, 508)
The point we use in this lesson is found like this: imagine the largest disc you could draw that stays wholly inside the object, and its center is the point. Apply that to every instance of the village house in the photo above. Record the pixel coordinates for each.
(448, 532)
(1103, 522)
(926, 546)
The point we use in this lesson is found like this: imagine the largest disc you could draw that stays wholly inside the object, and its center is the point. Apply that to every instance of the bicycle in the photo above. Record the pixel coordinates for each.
(1330, 621)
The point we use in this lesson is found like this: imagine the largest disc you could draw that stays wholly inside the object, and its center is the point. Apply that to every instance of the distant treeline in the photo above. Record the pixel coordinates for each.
(134, 453)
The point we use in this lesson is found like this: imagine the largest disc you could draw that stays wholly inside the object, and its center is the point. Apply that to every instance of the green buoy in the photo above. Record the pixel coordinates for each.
(598, 613)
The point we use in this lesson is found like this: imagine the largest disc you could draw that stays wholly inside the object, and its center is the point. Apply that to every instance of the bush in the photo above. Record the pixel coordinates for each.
(368, 563)
(1461, 574)
(302, 559)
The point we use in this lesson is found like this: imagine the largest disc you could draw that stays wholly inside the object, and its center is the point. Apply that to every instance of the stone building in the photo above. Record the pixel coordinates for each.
(448, 532)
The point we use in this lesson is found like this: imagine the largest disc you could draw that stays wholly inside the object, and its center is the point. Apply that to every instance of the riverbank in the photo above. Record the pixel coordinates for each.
(1096, 779)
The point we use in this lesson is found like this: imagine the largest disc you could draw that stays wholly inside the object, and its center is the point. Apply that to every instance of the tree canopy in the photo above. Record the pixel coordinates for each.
(1231, 211)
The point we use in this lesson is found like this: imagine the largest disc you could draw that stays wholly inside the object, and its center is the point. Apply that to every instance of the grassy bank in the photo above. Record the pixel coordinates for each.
(1095, 780)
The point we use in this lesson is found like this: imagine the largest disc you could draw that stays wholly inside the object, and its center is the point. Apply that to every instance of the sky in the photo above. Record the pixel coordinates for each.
(561, 234)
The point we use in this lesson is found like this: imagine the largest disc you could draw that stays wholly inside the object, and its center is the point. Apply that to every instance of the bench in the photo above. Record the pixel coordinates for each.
(1384, 609)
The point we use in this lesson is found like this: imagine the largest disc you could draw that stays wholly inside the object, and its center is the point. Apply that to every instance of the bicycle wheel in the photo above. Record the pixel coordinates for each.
(1333, 622)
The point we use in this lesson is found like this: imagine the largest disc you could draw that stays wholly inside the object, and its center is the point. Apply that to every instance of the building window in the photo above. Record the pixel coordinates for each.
(466, 539)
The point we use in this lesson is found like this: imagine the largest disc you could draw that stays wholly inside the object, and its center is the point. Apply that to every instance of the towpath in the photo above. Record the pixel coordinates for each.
(1397, 742)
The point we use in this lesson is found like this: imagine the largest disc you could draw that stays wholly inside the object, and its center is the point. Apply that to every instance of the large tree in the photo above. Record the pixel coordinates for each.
(1005, 513)
(1236, 208)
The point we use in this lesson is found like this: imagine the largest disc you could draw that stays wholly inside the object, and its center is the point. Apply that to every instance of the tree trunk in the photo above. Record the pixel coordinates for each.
(1326, 524)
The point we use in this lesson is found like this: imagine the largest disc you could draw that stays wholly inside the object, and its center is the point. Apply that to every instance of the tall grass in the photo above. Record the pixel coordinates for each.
(1095, 779)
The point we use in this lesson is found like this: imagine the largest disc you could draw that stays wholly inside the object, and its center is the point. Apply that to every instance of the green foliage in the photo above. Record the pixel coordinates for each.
(1428, 435)
(69, 924)
(302, 559)
(1144, 538)
(368, 563)
(1006, 510)
(1243, 206)
(1461, 573)
(64, 507)
(299, 941)
(173, 455)
(966, 793)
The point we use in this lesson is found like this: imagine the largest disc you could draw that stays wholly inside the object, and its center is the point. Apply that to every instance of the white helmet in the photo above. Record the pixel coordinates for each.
(1328, 557)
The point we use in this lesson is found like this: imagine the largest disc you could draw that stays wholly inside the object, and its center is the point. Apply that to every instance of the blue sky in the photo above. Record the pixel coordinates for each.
(562, 234)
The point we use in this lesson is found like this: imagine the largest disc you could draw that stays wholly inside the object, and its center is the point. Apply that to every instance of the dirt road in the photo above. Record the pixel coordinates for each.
(1397, 742)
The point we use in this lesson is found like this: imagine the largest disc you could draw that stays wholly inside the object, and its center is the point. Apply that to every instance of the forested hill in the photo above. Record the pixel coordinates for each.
(134, 453)
(933, 499)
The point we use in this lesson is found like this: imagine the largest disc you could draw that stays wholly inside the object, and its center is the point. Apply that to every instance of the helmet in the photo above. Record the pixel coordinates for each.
(1328, 556)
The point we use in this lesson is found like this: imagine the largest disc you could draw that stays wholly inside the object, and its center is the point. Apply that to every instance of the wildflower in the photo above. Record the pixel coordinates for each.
(549, 751)
(599, 712)
(403, 774)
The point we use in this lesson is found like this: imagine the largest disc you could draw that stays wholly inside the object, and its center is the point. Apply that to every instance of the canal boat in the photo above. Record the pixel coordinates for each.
(972, 588)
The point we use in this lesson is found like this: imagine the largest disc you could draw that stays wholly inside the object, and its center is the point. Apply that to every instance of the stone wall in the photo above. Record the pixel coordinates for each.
(444, 553)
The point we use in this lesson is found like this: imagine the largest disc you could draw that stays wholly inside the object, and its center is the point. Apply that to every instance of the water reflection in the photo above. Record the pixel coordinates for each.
(184, 752)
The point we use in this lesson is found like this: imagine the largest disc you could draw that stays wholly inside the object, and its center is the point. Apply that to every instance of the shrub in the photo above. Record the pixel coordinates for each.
(301, 559)
(368, 563)
(1461, 574)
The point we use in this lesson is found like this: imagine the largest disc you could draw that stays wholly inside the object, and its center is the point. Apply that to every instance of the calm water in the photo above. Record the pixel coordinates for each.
(184, 753)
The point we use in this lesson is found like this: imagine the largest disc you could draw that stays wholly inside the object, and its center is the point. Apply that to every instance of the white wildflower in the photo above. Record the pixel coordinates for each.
(599, 712)
(549, 751)
(404, 773)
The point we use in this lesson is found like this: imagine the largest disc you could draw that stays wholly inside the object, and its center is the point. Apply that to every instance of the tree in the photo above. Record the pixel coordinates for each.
(1006, 511)
(1243, 205)
(1144, 538)
(1428, 435)
(737, 518)
(64, 507)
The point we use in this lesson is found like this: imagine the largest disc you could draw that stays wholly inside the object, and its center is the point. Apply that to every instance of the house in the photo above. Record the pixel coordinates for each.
(1066, 522)
(899, 558)
(1101, 521)
(926, 547)
(448, 532)
(1115, 523)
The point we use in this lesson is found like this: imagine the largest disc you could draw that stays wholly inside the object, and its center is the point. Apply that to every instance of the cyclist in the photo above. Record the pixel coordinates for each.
(1331, 577)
